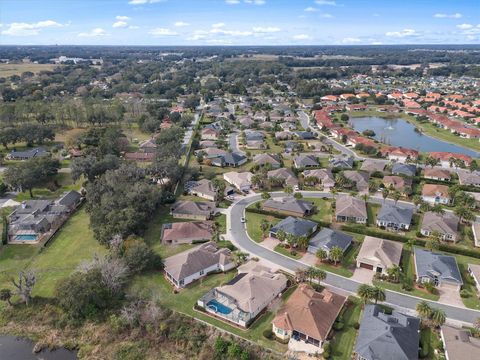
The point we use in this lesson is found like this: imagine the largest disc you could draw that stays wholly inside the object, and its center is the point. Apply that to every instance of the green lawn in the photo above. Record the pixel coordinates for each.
(155, 286)
(60, 183)
(324, 209)
(372, 211)
(344, 340)
(281, 250)
(72, 244)
(472, 301)
(348, 262)
(253, 222)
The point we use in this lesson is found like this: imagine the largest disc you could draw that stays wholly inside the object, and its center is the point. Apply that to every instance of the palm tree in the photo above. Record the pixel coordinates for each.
(464, 213)
(423, 310)
(372, 186)
(417, 200)
(396, 196)
(452, 191)
(320, 275)
(378, 294)
(336, 254)
(433, 243)
(257, 180)
(410, 243)
(265, 195)
(288, 190)
(385, 193)
(302, 242)
(321, 254)
(265, 226)
(424, 206)
(301, 274)
(394, 272)
(438, 317)
(291, 239)
(340, 180)
(365, 292)
(239, 257)
(437, 209)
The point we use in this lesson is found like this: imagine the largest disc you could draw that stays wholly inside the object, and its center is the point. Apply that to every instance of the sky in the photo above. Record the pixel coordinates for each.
(239, 22)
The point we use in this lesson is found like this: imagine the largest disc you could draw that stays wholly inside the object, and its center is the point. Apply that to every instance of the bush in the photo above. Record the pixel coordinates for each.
(293, 252)
(356, 326)
(430, 288)
(464, 293)
(407, 285)
(139, 256)
(268, 334)
(424, 350)
(338, 325)
(327, 348)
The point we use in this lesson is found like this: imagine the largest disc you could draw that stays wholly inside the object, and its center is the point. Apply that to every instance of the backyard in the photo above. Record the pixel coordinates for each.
(343, 341)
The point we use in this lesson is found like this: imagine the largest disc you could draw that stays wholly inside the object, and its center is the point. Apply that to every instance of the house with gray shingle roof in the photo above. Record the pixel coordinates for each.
(342, 162)
(305, 161)
(387, 337)
(394, 217)
(439, 269)
(349, 208)
(294, 226)
(359, 178)
(327, 238)
(290, 206)
(286, 175)
(371, 166)
(273, 160)
(446, 225)
(404, 169)
(197, 210)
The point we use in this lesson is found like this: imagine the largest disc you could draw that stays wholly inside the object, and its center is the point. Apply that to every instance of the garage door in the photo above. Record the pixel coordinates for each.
(366, 266)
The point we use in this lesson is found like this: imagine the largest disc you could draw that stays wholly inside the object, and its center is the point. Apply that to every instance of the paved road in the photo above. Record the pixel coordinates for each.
(233, 143)
(304, 119)
(236, 232)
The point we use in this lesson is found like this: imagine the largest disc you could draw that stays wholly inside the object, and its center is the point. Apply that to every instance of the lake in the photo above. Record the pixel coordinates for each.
(399, 132)
(15, 348)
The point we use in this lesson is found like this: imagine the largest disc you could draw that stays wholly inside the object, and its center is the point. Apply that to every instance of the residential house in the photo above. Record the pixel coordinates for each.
(242, 181)
(399, 154)
(272, 160)
(308, 316)
(437, 174)
(210, 134)
(394, 336)
(294, 226)
(435, 194)
(290, 206)
(447, 159)
(468, 178)
(439, 269)
(326, 239)
(304, 161)
(351, 209)
(398, 183)
(474, 271)
(359, 178)
(196, 210)
(188, 266)
(285, 175)
(230, 159)
(342, 162)
(322, 176)
(379, 254)
(305, 135)
(149, 145)
(187, 232)
(26, 154)
(394, 217)
(204, 189)
(371, 166)
(139, 156)
(404, 169)
(459, 344)
(445, 225)
(242, 299)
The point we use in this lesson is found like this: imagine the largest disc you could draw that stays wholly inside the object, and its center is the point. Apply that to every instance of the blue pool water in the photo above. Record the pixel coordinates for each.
(26, 237)
(220, 308)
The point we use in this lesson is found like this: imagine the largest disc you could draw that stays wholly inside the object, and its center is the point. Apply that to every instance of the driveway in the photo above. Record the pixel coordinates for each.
(450, 297)
(363, 276)
(310, 259)
(270, 243)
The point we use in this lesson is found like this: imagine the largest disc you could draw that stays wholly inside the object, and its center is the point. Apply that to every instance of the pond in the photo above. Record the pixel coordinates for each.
(15, 348)
(399, 132)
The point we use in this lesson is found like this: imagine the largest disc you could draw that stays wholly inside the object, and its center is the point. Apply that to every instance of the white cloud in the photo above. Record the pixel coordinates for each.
(122, 18)
(326, 16)
(29, 29)
(376, 43)
(232, 2)
(451, 16)
(230, 32)
(218, 25)
(310, 9)
(403, 33)
(465, 26)
(181, 24)
(265, 30)
(254, 2)
(120, 24)
(97, 32)
(301, 37)
(326, 2)
(162, 32)
(198, 35)
(350, 40)
(134, 27)
(143, 2)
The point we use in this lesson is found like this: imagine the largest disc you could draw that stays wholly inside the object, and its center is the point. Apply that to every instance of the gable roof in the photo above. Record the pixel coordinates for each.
(310, 312)
(290, 204)
(294, 226)
(387, 337)
(459, 344)
(386, 252)
(204, 186)
(430, 264)
(445, 224)
(196, 230)
(304, 160)
(328, 238)
(193, 207)
(350, 206)
(405, 169)
(262, 159)
(69, 198)
(435, 190)
(395, 214)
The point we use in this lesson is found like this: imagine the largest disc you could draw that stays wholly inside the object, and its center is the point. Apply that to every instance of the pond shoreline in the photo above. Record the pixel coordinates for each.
(21, 348)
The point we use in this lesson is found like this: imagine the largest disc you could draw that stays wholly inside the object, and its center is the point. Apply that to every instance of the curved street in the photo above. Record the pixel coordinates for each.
(236, 232)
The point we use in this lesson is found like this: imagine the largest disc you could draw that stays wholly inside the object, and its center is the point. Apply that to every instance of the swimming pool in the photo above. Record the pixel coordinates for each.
(25, 238)
(219, 308)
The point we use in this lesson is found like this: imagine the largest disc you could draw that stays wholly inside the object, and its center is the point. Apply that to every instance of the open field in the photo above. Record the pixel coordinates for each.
(7, 70)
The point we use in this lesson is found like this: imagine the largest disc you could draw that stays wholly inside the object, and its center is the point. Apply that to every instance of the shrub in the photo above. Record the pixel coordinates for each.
(338, 325)
(268, 333)
(356, 326)
(424, 350)
(293, 252)
(464, 293)
(326, 350)
(430, 288)
(407, 285)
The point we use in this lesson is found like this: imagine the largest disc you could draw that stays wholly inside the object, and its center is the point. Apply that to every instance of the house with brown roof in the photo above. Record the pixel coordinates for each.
(204, 189)
(242, 299)
(188, 266)
(437, 174)
(319, 176)
(241, 180)
(398, 183)
(285, 175)
(459, 344)
(435, 194)
(359, 178)
(379, 254)
(290, 206)
(446, 225)
(351, 209)
(308, 316)
(272, 160)
(195, 210)
(187, 232)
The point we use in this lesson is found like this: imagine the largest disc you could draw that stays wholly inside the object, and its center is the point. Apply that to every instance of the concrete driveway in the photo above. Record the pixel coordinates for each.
(363, 276)
(270, 243)
(450, 297)
(310, 259)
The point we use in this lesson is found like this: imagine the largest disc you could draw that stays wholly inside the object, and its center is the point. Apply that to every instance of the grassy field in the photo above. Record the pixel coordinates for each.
(7, 70)
(155, 286)
(344, 340)
(72, 244)
(324, 209)
(282, 250)
(61, 183)
(253, 222)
